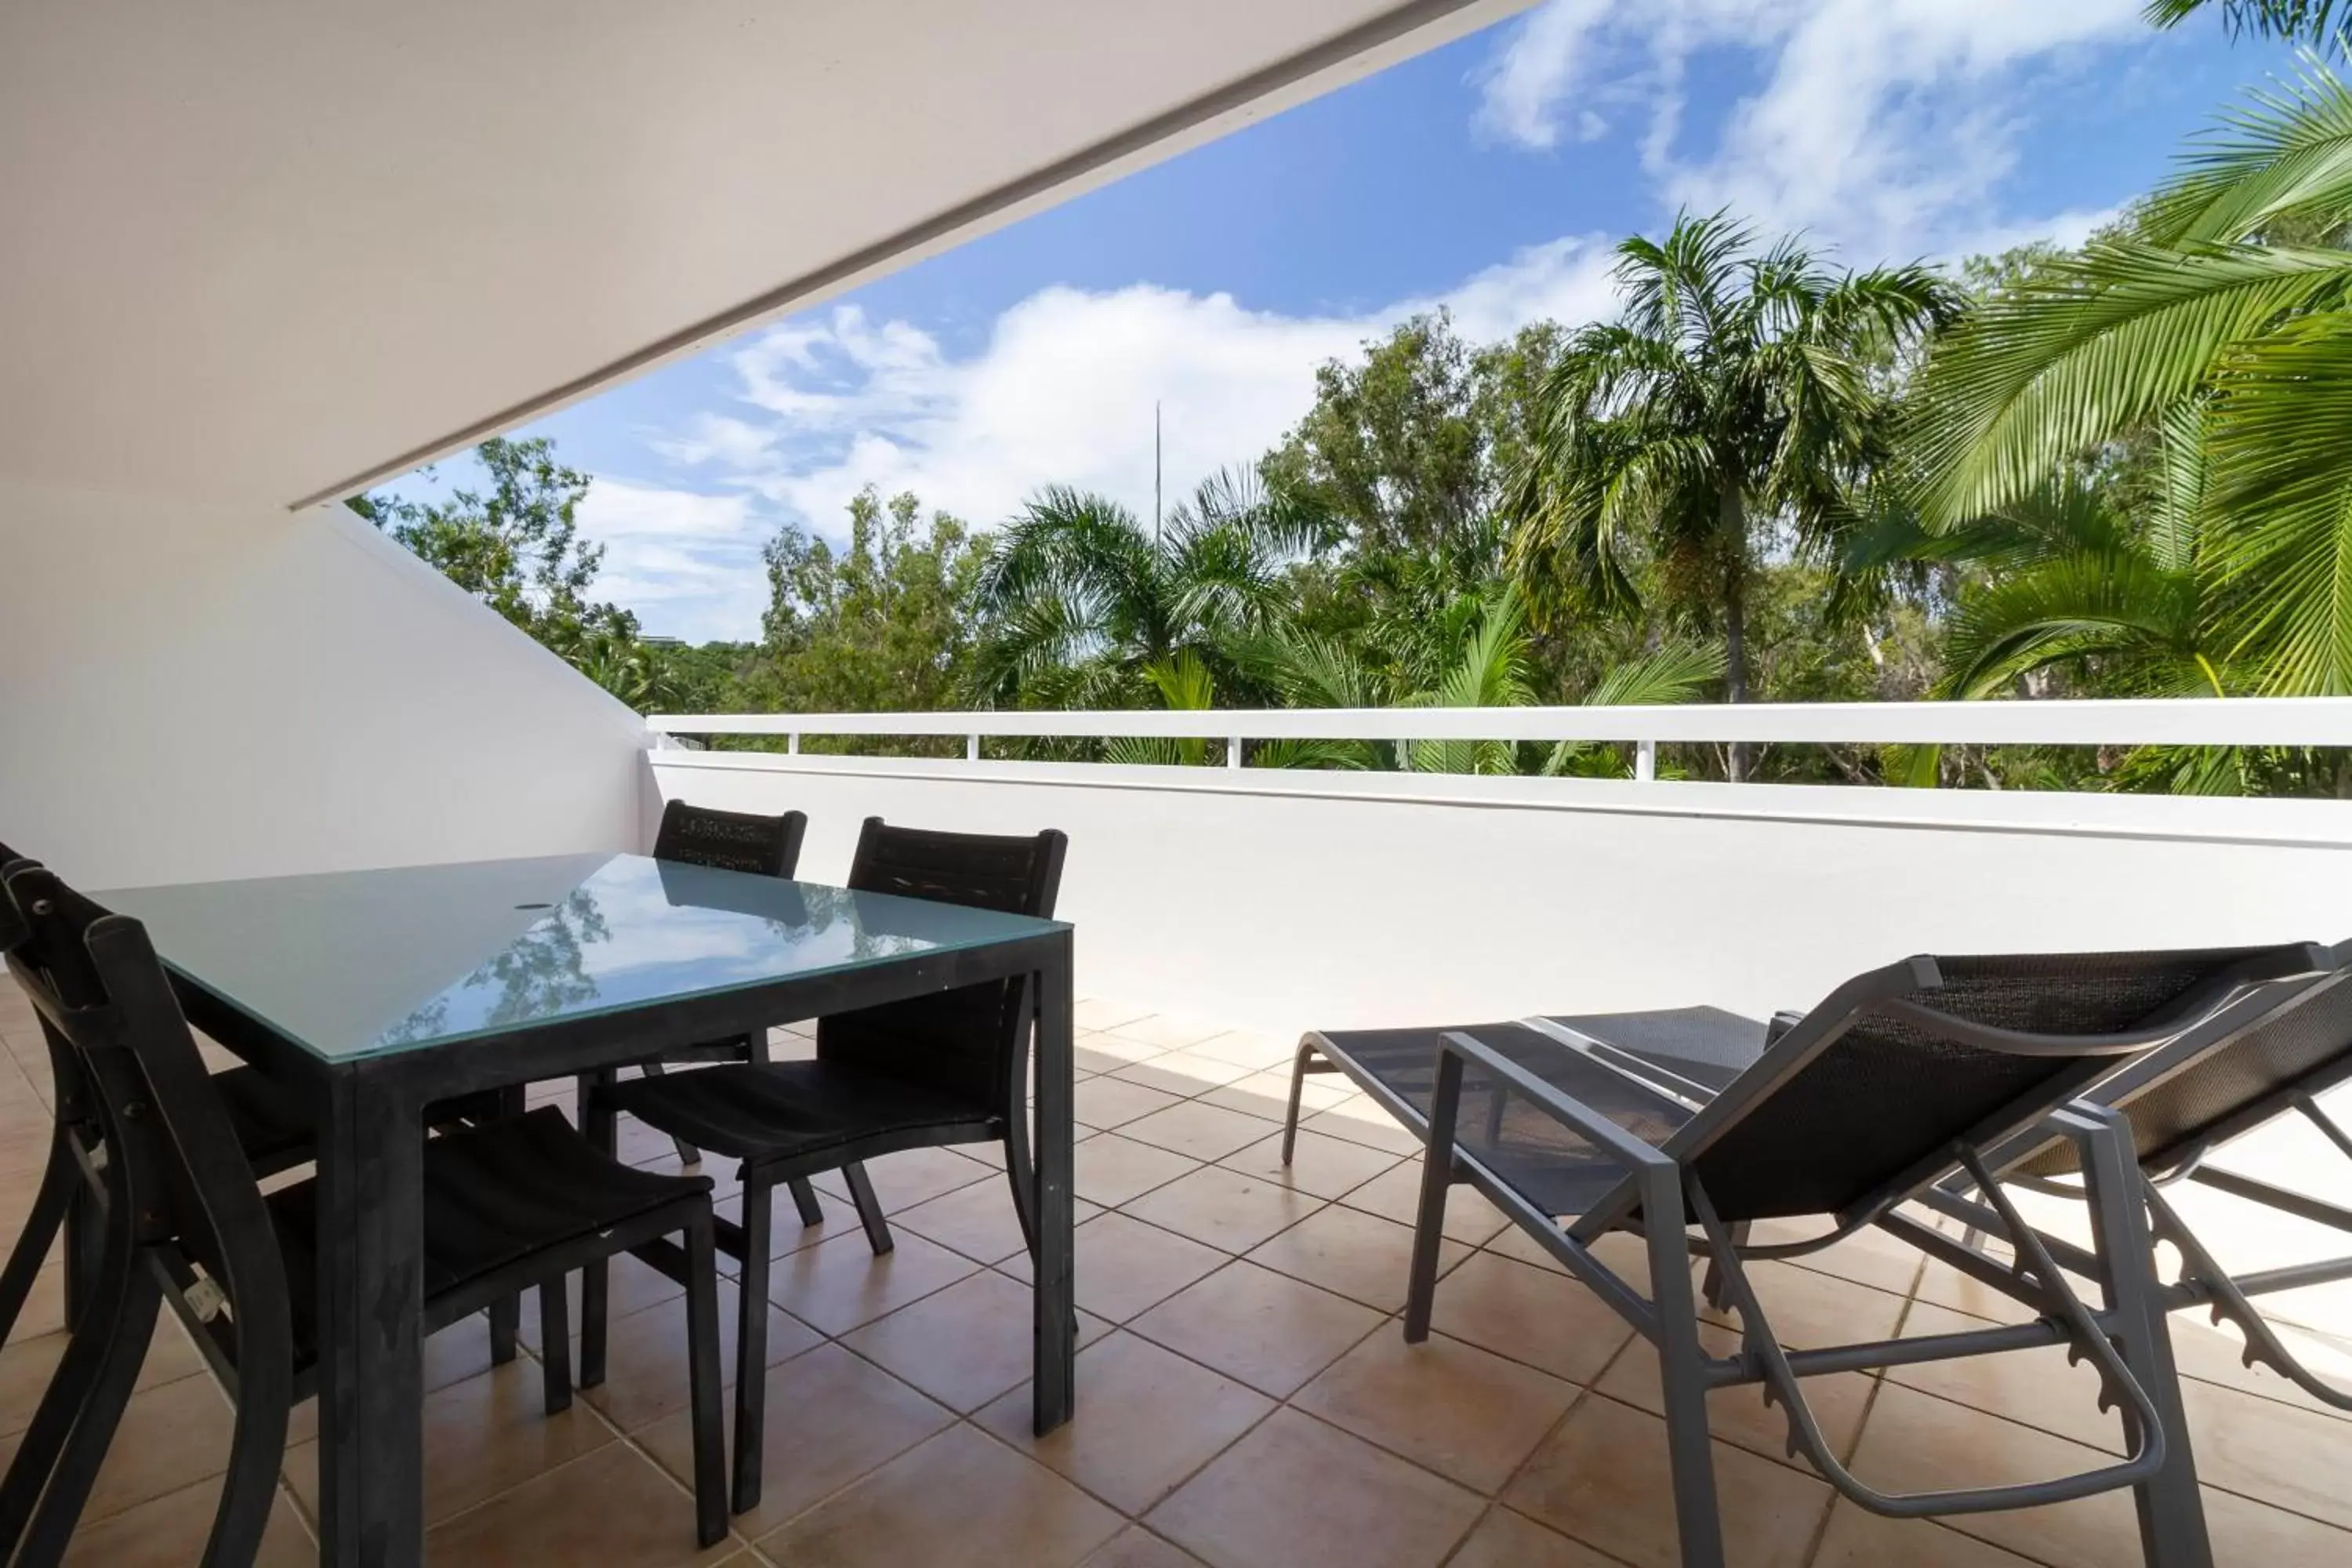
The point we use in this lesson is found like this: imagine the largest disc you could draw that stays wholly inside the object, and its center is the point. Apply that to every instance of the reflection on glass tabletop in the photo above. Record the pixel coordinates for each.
(353, 963)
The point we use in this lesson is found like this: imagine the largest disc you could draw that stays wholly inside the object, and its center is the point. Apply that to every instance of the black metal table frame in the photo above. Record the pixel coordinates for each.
(371, 1174)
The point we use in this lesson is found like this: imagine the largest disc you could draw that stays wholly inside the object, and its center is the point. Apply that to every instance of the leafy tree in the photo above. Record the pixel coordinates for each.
(516, 547)
(1080, 599)
(2311, 21)
(2233, 348)
(886, 622)
(1733, 402)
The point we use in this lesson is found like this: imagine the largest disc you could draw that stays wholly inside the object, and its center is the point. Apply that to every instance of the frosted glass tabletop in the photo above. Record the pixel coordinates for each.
(355, 963)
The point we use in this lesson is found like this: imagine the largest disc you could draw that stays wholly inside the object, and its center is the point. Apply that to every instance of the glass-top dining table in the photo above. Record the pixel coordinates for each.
(380, 991)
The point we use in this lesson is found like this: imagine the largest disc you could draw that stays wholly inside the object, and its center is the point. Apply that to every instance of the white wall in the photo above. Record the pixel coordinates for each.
(1287, 901)
(190, 692)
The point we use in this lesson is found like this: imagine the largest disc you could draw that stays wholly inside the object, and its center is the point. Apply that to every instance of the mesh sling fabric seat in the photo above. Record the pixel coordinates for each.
(1865, 1103)
(950, 1067)
(508, 1204)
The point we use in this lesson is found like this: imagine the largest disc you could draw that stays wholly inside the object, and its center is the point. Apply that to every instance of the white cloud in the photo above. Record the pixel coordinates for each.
(688, 563)
(1061, 393)
(1882, 125)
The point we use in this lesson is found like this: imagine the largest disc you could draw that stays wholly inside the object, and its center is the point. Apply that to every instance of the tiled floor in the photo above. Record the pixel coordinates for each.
(1245, 1397)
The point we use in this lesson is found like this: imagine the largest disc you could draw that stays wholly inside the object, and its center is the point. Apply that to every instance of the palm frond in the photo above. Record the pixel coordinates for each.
(2285, 154)
(2313, 22)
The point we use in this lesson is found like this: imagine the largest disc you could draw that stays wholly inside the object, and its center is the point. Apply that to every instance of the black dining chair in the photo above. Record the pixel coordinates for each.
(932, 1071)
(508, 1204)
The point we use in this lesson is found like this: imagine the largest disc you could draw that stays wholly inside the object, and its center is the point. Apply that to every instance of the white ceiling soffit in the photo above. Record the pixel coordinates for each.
(271, 250)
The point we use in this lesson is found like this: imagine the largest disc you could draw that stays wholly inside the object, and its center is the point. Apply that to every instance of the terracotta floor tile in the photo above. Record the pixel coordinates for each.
(1869, 1256)
(2037, 1387)
(1546, 1319)
(2255, 1533)
(170, 1531)
(1171, 1031)
(27, 1365)
(1508, 1539)
(1371, 1510)
(1265, 1329)
(963, 1345)
(1182, 1073)
(1136, 1547)
(1321, 1167)
(1361, 1122)
(832, 1418)
(960, 1499)
(1739, 1415)
(1267, 1095)
(1109, 1169)
(1125, 1266)
(2288, 1457)
(1602, 1478)
(1915, 1442)
(1395, 1194)
(1250, 1048)
(631, 1287)
(909, 1177)
(172, 1435)
(1147, 1419)
(837, 1285)
(481, 1437)
(1449, 1406)
(1093, 1012)
(978, 1221)
(1203, 1131)
(1228, 1209)
(1857, 1537)
(616, 1508)
(1108, 1102)
(1360, 1256)
(1102, 1053)
(646, 1360)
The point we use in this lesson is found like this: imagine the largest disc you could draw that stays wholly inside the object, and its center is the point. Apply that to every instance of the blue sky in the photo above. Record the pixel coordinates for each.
(1490, 176)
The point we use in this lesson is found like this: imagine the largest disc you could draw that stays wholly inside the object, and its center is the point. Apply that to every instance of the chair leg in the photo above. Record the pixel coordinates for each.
(75, 1464)
(869, 1207)
(751, 1342)
(702, 1368)
(2171, 1508)
(85, 1247)
(805, 1200)
(600, 1126)
(1436, 1180)
(506, 1320)
(1682, 1369)
(59, 1177)
(1297, 1087)
(555, 1343)
(107, 1306)
(265, 1398)
(688, 1154)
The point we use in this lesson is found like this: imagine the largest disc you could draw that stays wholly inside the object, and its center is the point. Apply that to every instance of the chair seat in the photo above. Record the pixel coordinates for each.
(1551, 1167)
(766, 1112)
(493, 1196)
(1705, 1045)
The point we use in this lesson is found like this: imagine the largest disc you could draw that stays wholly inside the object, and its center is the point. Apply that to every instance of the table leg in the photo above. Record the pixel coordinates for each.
(371, 1312)
(1057, 1312)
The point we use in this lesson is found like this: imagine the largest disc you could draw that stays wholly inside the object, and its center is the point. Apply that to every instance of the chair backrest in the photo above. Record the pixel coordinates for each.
(2284, 1041)
(173, 1154)
(1871, 1097)
(968, 1041)
(730, 840)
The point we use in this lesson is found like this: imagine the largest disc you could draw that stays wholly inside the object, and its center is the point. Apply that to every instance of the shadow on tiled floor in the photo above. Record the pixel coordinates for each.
(1245, 1397)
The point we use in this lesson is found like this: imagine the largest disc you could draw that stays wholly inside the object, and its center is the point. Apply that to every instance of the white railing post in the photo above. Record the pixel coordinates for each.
(1645, 761)
(793, 745)
(971, 748)
(1233, 751)
(1404, 756)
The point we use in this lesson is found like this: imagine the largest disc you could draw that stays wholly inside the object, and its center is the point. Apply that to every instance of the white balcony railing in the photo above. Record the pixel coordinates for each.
(2268, 721)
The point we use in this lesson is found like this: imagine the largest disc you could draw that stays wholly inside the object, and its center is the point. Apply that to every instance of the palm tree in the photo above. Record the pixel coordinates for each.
(2233, 346)
(1736, 397)
(2311, 21)
(1081, 601)
(1487, 666)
